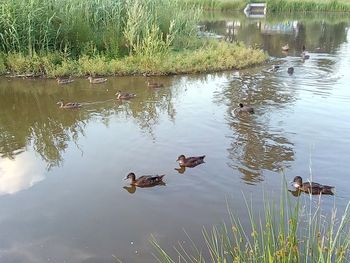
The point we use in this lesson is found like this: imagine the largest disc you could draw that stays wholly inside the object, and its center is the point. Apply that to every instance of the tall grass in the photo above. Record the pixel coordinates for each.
(93, 27)
(292, 233)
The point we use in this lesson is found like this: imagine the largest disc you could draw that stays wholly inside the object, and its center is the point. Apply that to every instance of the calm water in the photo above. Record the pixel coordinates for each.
(62, 194)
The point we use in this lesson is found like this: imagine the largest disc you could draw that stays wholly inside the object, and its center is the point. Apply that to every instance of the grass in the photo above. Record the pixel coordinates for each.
(213, 56)
(110, 37)
(294, 234)
(274, 5)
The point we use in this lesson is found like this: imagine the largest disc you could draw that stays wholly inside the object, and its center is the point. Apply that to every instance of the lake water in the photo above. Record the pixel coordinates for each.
(62, 193)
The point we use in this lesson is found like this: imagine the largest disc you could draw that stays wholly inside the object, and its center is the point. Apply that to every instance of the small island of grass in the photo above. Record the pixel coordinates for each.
(111, 37)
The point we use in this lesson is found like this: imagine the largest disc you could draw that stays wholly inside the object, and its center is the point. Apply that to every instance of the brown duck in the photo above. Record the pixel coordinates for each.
(64, 80)
(154, 84)
(311, 187)
(124, 95)
(244, 108)
(69, 105)
(190, 161)
(145, 180)
(285, 47)
(96, 80)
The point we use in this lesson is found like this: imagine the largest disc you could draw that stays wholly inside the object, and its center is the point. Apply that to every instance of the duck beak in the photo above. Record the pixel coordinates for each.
(126, 178)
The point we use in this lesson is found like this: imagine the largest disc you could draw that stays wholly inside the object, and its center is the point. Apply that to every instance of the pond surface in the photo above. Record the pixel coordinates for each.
(62, 193)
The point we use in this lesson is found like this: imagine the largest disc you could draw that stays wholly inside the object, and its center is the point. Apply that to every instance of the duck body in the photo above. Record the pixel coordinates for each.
(69, 105)
(285, 47)
(145, 180)
(290, 70)
(96, 80)
(244, 108)
(190, 161)
(125, 95)
(311, 187)
(154, 85)
(64, 80)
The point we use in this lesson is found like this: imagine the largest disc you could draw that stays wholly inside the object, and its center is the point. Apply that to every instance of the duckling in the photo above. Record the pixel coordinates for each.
(190, 161)
(64, 80)
(69, 105)
(290, 70)
(154, 84)
(243, 108)
(96, 80)
(285, 47)
(124, 95)
(312, 188)
(145, 180)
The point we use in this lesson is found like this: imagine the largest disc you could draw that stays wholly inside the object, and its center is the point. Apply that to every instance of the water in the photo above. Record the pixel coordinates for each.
(62, 193)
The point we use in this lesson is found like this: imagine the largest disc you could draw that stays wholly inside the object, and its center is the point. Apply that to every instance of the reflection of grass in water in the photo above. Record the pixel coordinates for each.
(274, 5)
(294, 234)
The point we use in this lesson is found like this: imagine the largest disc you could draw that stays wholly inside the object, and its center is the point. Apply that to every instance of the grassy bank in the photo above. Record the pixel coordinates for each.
(110, 37)
(214, 56)
(274, 5)
(297, 233)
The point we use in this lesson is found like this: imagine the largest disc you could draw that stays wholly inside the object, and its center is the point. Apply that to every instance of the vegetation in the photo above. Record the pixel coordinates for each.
(295, 234)
(63, 37)
(274, 5)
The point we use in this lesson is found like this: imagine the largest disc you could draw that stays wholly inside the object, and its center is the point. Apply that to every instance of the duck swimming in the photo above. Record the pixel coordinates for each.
(154, 84)
(96, 80)
(145, 180)
(190, 161)
(311, 187)
(69, 105)
(64, 80)
(124, 95)
(244, 108)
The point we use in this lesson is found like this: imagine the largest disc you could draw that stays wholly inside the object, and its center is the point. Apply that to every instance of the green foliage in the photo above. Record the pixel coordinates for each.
(292, 233)
(91, 27)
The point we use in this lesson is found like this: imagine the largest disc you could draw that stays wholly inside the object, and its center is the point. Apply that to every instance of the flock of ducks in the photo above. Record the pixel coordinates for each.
(285, 49)
(119, 95)
(152, 180)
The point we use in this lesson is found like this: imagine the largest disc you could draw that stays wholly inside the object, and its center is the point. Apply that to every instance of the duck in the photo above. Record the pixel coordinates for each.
(124, 95)
(145, 180)
(64, 80)
(69, 105)
(311, 187)
(290, 70)
(190, 161)
(154, 84)
(96, 80)
(285, 47)
(303, 54)
(244, 108)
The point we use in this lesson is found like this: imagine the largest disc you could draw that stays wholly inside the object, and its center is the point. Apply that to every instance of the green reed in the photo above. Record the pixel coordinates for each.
(109, 27)
(292, 233)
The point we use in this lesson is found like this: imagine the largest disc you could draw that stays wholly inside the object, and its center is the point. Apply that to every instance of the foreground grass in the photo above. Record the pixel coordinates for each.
(294, 234)
(214, 56)
(275, 5)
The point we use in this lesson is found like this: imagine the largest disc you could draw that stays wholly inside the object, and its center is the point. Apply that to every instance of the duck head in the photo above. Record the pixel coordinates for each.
(131, 176)
(181, 158)
(297, 181)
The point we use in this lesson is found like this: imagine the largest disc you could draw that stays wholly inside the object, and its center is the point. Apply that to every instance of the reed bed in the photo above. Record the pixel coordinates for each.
(108, 27)
(292, 233)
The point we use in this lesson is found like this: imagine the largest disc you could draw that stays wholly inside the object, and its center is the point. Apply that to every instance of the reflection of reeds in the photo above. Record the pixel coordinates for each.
(285, 236)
